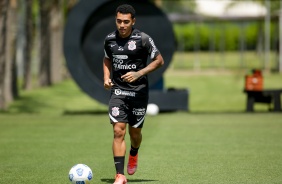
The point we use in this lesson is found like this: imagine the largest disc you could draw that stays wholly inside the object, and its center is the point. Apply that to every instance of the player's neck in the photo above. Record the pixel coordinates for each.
(125, 36)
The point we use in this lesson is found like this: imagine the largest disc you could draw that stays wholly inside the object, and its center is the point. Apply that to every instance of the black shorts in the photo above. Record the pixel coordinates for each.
(128, 107)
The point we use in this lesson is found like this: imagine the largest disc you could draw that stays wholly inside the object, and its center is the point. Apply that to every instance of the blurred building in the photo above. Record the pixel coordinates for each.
(230, 8)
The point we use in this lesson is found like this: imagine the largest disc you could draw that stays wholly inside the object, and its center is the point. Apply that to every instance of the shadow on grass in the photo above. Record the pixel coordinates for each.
(31, 105)
(105, 180)
(232, 112)
(97, 112)
(27, 104)
(85, 112)
(101, 112)
(202, 112)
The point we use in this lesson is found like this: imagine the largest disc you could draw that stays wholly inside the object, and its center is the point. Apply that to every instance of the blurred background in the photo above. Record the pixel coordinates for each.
(222, 38)
(48, 124)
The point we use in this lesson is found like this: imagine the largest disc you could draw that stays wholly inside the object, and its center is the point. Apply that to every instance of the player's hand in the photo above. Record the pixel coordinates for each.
(131, 76)
(108, 84)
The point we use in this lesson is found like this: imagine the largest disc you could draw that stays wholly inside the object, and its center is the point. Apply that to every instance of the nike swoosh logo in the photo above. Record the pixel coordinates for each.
(117, 162)
(139, 119)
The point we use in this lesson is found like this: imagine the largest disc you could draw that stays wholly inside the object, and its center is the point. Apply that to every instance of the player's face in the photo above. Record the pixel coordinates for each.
(124, 24)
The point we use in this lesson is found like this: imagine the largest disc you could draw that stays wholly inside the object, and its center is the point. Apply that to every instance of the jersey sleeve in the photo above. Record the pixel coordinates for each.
(106, 50)
(106, 55)
(149, 44)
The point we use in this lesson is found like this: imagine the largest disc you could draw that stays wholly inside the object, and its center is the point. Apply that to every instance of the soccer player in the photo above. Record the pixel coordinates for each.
(126, 53)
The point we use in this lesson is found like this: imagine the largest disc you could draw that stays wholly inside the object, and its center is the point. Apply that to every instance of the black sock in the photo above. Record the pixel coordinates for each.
(119, 164)
(133, 151)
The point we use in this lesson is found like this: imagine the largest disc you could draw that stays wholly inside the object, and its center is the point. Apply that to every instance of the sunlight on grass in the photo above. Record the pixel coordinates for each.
(216, 60)
(210, 89)
(60, 98)
(48, 130)
(177, 148)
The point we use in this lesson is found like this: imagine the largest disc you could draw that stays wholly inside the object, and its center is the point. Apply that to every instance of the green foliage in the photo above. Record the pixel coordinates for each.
(220, 35)
(230, 36)
(251, 36)
(177, 6)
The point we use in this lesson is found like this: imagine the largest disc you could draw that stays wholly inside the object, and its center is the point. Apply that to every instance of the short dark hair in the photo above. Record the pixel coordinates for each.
(125, 9)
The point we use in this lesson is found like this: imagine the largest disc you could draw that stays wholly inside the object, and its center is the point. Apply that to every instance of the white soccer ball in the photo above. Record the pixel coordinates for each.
(80, 174)
(152, 109)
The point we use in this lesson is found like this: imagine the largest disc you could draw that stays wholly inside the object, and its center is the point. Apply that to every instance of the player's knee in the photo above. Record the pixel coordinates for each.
(119, 133)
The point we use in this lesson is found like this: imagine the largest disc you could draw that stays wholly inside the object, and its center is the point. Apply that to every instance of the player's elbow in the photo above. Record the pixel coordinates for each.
(161, 61)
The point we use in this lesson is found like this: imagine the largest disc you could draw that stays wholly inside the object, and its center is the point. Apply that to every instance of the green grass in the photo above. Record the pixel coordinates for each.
(58, 99)
(177, 148)
(46, 131)
(210, 91)
(217, 91)
(222, 60)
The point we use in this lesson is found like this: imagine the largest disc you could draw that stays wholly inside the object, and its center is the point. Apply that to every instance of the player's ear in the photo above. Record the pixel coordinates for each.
(133, 21)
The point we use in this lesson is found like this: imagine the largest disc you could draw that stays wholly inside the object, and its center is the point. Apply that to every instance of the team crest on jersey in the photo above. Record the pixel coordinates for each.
(132, 45)
(115, 111)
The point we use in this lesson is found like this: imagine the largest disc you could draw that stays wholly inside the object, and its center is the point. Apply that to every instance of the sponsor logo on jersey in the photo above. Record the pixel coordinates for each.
(139, 112)
(125, 93)
(120, 48)
(132, 45)
(118, 64)
(111, 35)
(136, 36)
(124, 67)
(120, 56)
(154, 48)
(115, 111)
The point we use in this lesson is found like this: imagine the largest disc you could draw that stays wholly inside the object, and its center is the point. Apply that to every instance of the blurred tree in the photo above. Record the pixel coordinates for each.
(10, 89)
(272, 7)
(3, 31)
(274, 4)
(56, 35)
(176, 6)
(44, 65)
(29, 30)
(51, 28)
(68, 5)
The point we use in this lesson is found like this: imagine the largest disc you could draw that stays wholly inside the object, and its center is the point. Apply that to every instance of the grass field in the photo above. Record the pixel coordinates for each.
(177, 148)
(48, 130)
(222, 60)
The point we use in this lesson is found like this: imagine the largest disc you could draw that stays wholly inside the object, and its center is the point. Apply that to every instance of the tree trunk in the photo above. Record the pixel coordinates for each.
(10, 51)
(44, 66)
(56, 26)
(70, 4)
(27, 75)
(279, 45)
(14, 76)
(3, 20)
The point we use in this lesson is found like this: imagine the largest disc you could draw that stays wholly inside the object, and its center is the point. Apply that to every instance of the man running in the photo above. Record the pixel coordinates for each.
(126, 53)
